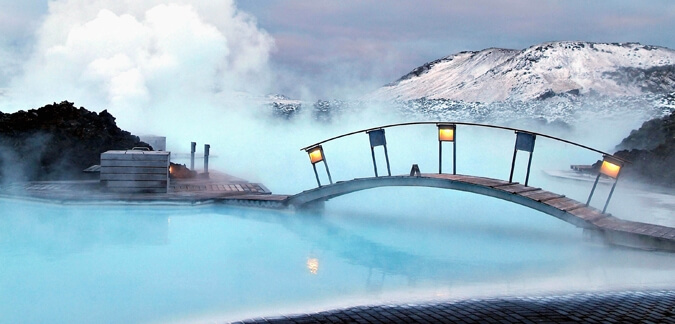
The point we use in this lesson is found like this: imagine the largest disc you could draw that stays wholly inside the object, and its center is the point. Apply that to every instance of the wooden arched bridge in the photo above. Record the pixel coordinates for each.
(229, 190)
(596, 223)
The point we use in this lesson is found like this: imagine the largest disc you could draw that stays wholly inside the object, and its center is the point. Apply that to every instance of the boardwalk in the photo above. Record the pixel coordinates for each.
(609, 307)
(596, 224)
(217, 187)
(228, 190)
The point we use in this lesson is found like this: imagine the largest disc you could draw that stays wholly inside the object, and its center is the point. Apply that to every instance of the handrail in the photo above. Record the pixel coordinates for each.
(466, 124)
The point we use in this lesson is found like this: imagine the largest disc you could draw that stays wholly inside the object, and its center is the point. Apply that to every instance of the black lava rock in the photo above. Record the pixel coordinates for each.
(651, 149)
(57, 142)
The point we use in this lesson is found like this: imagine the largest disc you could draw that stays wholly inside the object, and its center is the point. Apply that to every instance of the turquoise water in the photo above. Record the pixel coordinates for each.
(132, 264)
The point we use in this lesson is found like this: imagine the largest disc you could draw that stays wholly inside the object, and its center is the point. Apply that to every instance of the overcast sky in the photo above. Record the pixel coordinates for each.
(337, 48)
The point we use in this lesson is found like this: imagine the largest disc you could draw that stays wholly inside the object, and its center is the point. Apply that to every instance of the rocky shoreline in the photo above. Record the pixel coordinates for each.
(57, 142)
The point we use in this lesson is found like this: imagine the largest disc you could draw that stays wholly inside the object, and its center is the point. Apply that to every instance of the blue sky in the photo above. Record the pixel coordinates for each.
(328, 49)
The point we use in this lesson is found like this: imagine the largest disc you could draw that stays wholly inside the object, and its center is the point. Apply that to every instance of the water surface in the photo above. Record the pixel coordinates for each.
(132, 264)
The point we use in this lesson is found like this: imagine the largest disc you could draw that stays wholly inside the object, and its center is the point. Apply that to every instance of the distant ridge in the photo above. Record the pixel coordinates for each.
(552, 69)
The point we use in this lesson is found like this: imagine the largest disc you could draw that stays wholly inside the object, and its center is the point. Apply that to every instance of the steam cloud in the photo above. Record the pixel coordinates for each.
(141, 58)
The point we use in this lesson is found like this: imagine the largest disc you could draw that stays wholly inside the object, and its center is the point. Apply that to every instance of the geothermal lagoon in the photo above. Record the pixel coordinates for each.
(122, 263)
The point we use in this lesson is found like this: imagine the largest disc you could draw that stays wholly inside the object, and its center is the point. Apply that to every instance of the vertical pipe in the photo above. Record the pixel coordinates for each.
(454, 155)
(513, 164)
(206, 159)
(612, 191)
(440, 157)
(330, 179)
(593, 189)
(610, 195)
(193, 148)
(386, 157)
(316, 174)
(372, 152)
(527, 175)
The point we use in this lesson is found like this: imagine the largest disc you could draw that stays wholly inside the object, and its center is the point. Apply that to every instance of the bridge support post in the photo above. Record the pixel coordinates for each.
(330, 179)
(316, 174)
(454, 157)
(595, 184)
(609, 197)
(610, 167)
(372, 152)
(386, 157)
(513, 164)
(524, 142)
(447, 133)
(440, 157)
(316, 155)
(377, 138)
(527, 175)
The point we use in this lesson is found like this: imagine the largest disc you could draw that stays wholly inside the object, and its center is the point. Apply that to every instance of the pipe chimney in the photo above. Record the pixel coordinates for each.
(193, 148)
(206, 160)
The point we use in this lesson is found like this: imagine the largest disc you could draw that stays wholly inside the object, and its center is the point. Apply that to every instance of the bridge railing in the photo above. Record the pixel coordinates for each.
(447, 133)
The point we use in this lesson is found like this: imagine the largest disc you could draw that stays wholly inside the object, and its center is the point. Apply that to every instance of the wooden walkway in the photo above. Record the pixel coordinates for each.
(596, 225)
(225, 189)
(216, 188)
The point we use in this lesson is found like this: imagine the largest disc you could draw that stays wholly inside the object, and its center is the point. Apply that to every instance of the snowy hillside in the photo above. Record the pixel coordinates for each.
(540, 72)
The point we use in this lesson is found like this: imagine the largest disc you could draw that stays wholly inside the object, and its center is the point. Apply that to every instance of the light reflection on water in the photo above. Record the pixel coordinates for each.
(155, 264)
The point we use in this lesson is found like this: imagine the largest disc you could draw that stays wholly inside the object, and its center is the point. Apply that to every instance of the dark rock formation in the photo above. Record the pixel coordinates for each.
(180, 171)
(57, 142)
(651, 149)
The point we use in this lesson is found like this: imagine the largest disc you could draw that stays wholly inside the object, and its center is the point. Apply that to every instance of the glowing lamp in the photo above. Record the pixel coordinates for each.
(315, 154)
(610, 167)
(446, 133)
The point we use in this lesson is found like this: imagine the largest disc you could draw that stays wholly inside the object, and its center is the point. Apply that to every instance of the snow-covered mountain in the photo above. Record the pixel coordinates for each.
(539, 72)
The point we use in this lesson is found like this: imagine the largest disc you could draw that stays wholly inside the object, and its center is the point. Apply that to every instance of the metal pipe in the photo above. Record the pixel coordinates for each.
(513, 164)
(529, 162)
(454, 154)
(386, 157)
(609, 197)
(316, 174)
(612, 191)
(206, 159)
(330, 179)
(440, 157)
(372, 152)
(193, 148)
(593, 189)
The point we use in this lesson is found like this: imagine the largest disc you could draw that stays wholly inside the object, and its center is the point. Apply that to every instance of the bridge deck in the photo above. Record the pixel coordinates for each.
(233, 191)
(598, 225)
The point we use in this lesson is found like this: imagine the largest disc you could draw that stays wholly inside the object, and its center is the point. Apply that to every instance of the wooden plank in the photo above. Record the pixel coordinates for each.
(541, 195)
(134, 176)
(564, 203)
(127, 170)
(132, 163)
(517, 188)
(587, 214)
(260, 197)
(530, 192)
(444, 176)
(483, 181)
(138, 190)
(611, 223)
(136, 184)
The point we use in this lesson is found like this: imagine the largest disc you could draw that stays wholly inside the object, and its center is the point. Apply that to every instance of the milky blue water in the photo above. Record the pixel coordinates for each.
(135, 264)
